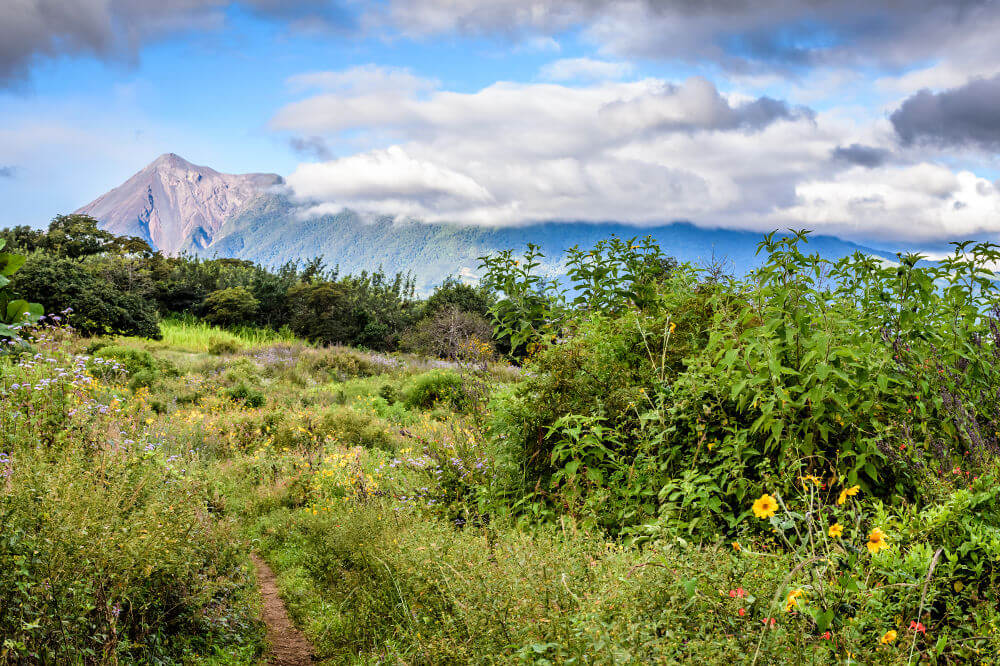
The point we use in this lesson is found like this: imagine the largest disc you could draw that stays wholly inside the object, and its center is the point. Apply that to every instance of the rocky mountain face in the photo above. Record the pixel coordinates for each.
(173, 204)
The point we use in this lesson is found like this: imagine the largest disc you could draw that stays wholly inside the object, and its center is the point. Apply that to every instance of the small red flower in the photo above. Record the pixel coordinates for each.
(741, 612)
(738, 593)
(918, 627)
(826, 635)
(769, 622)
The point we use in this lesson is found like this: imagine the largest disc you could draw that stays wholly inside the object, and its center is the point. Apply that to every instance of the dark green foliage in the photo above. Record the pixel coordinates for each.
(367, 311)
(234, 306)
(118, 285)
(98, 307)
(662, 386)
(323, 312)
(455, 295)
(75, 236)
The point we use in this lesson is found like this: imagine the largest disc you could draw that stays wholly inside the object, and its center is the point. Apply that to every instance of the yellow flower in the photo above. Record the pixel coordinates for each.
(876, 541)
(673, 327)
(809, 477)
(836, 530)
(847, 492)
(737, 547)
(792, 600)
(765, 507)
(889, 637)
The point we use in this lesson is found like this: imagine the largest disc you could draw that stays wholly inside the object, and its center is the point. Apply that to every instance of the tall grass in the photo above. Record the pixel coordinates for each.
(193, 335)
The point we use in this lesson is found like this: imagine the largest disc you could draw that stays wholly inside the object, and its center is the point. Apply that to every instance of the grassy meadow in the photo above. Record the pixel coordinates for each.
(779, 471)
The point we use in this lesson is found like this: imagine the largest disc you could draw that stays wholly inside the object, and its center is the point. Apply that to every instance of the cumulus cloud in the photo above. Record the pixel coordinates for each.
(963, 116)
(391, 181)
(117, 29)
(642, 152)
(860, 155)
(647, 106)
(923, 202)
(585, 69)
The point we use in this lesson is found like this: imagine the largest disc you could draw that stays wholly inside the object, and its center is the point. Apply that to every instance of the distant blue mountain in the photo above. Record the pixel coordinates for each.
(272, 230)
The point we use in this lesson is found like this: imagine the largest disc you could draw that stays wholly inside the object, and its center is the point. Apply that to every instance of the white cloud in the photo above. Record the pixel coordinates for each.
(642, 152)
(585, 69)
(923, 202)
(391, 181)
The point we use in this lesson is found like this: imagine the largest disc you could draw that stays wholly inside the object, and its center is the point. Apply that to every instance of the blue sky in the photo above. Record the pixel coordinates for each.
(855, 118)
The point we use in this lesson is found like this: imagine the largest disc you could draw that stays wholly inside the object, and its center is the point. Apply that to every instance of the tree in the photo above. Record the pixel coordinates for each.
(453, 294)
(76, 236)
(230, 307)
(323, 311)
(98, 307)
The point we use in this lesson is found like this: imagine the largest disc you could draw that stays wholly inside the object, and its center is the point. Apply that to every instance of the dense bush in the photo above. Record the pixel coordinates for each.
(140, 366)
(338, 363)
(872, 373)
(97, 307)
(437, 387)
(15, 313)
(234, 306)
(368, 311)
(217, 346)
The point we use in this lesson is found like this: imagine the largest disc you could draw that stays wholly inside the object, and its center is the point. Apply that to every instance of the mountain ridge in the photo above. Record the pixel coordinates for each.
(180, 207)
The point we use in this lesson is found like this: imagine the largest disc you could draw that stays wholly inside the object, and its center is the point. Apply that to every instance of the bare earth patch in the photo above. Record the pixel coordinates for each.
(288, 646)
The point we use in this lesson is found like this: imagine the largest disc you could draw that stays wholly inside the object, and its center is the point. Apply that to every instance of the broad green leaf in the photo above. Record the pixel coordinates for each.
(9, 263)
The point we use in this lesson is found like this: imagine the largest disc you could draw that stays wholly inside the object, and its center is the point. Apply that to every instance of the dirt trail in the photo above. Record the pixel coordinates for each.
(288, 646)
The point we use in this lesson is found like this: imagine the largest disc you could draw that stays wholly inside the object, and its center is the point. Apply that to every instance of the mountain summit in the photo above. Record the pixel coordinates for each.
(173, 204)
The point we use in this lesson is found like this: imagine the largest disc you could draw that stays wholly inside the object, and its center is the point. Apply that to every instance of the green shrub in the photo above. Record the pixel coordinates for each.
(338, 426)
(246, 395)
(234, 306)
(337, 364)
(437, 387)
(218, 346)
(388, 392)
(350, 428)
(723, 387)
(98, 306)
(142, 368)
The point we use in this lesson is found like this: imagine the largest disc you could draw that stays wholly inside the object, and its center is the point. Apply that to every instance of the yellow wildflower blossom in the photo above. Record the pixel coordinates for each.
(765, 507)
